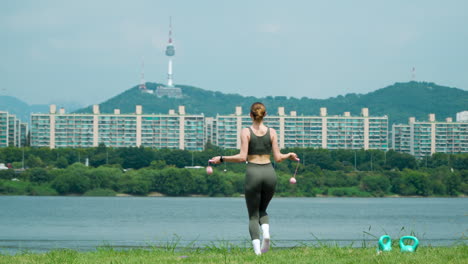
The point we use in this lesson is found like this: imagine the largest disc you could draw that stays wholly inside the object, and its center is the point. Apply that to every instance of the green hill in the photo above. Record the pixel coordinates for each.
(19, 108)
(23, 110)
(399, 101)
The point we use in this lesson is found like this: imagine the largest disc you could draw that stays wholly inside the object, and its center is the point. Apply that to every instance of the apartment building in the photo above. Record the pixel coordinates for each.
(173, 130)
(323, 131)
(179, 130)
(12, 131)
(4, 129)
(424, 138)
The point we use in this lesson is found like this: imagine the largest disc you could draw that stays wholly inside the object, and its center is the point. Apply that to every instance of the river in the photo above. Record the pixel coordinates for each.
(85, 223)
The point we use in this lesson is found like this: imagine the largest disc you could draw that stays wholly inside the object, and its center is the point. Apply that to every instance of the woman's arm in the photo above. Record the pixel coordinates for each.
(242, 156)
(277, 155)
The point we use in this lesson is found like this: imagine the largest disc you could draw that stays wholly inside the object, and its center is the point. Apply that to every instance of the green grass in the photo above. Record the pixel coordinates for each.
(232, 254)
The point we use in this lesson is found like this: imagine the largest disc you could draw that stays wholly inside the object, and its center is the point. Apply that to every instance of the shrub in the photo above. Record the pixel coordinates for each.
(376, 184)
(7, 174)
(68, 183)
(14, 187)
(38, 175)
(130, 183)
(42, 190)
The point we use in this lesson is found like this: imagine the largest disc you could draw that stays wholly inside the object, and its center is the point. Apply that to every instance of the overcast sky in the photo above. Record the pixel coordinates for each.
(87, 51)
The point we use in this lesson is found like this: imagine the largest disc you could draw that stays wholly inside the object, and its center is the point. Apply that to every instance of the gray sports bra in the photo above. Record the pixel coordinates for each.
(259, 145)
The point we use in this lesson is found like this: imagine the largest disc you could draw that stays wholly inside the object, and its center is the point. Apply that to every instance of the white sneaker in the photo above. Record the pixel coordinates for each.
(266, 238)
(265, 245)
(256, 246)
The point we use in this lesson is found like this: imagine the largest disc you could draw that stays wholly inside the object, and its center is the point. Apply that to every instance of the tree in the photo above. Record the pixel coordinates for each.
(61, 163)
(72, 180)
(158, 164)
(453, 183)
(136, 158)
(38, 175)
(376, 184)
(11, 154)
(104, 177)
(68, 183)
(33, 162)
(218, 185)
(131, 183)
(439, 159)
(178, 182)
(7, 174)
(400, 160)
(460, 161)
(415, 183)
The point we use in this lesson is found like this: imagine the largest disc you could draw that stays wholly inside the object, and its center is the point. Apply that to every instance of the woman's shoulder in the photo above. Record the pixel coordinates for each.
(272, 130)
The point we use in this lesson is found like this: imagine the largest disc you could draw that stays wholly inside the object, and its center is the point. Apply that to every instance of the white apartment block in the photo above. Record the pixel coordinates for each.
(462, 116)
(178, 130)
(173, 130)
(210, 129)
(324, 131)
(12, 131)
(424, 138)
(4, 129)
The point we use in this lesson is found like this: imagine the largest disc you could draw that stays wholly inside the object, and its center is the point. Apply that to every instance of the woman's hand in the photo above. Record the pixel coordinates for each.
(215, 160)
(293, 156)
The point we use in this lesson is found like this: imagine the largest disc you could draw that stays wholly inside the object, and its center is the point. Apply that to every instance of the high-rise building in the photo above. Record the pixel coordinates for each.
(172, 130)
(462, 116)
(424, 138)
(24, 134)
(184, 131)
(13, 128)
(4, 129)
(331, 132)
(12, 131)
(210, 130)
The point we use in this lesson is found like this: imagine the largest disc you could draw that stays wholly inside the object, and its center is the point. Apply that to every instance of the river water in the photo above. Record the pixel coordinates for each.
(85, 223)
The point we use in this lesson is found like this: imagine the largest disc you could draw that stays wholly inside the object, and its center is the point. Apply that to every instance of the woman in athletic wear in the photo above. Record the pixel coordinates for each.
(257, 143)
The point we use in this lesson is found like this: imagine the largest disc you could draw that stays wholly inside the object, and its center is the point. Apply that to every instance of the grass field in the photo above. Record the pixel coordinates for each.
(227, 254)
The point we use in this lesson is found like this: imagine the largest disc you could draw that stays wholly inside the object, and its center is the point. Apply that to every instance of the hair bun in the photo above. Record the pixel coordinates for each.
(258, 111)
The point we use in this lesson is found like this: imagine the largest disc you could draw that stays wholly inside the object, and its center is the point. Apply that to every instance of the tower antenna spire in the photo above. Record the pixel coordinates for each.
(142, 81)
(170, 52)
(169, 90)
(170, 29)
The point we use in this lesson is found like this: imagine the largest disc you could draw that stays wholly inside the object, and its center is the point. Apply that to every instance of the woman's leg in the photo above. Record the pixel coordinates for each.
(268, 190)
(252, 198)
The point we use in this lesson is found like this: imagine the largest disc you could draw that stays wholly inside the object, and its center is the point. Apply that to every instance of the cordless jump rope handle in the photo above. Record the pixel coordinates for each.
(293, 178)
(209, 169)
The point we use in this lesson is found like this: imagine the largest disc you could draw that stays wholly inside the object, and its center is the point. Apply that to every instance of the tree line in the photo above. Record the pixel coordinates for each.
(141, 171)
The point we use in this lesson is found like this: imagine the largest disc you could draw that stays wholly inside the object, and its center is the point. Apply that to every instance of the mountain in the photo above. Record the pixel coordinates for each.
(398, 101)
(23, 111)
(19, 108)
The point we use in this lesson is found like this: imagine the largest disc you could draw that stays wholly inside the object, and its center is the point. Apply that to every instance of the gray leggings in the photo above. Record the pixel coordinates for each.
(260, 183)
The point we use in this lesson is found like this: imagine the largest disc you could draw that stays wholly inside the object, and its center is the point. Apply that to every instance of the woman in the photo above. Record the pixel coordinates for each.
(257, 143)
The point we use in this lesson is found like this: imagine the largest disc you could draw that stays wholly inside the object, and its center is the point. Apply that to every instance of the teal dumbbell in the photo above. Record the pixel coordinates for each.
(410, 247)
(385, 243)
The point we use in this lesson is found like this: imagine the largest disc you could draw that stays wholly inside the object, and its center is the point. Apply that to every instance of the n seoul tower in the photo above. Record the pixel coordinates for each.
(170, 90)
(170, 52)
